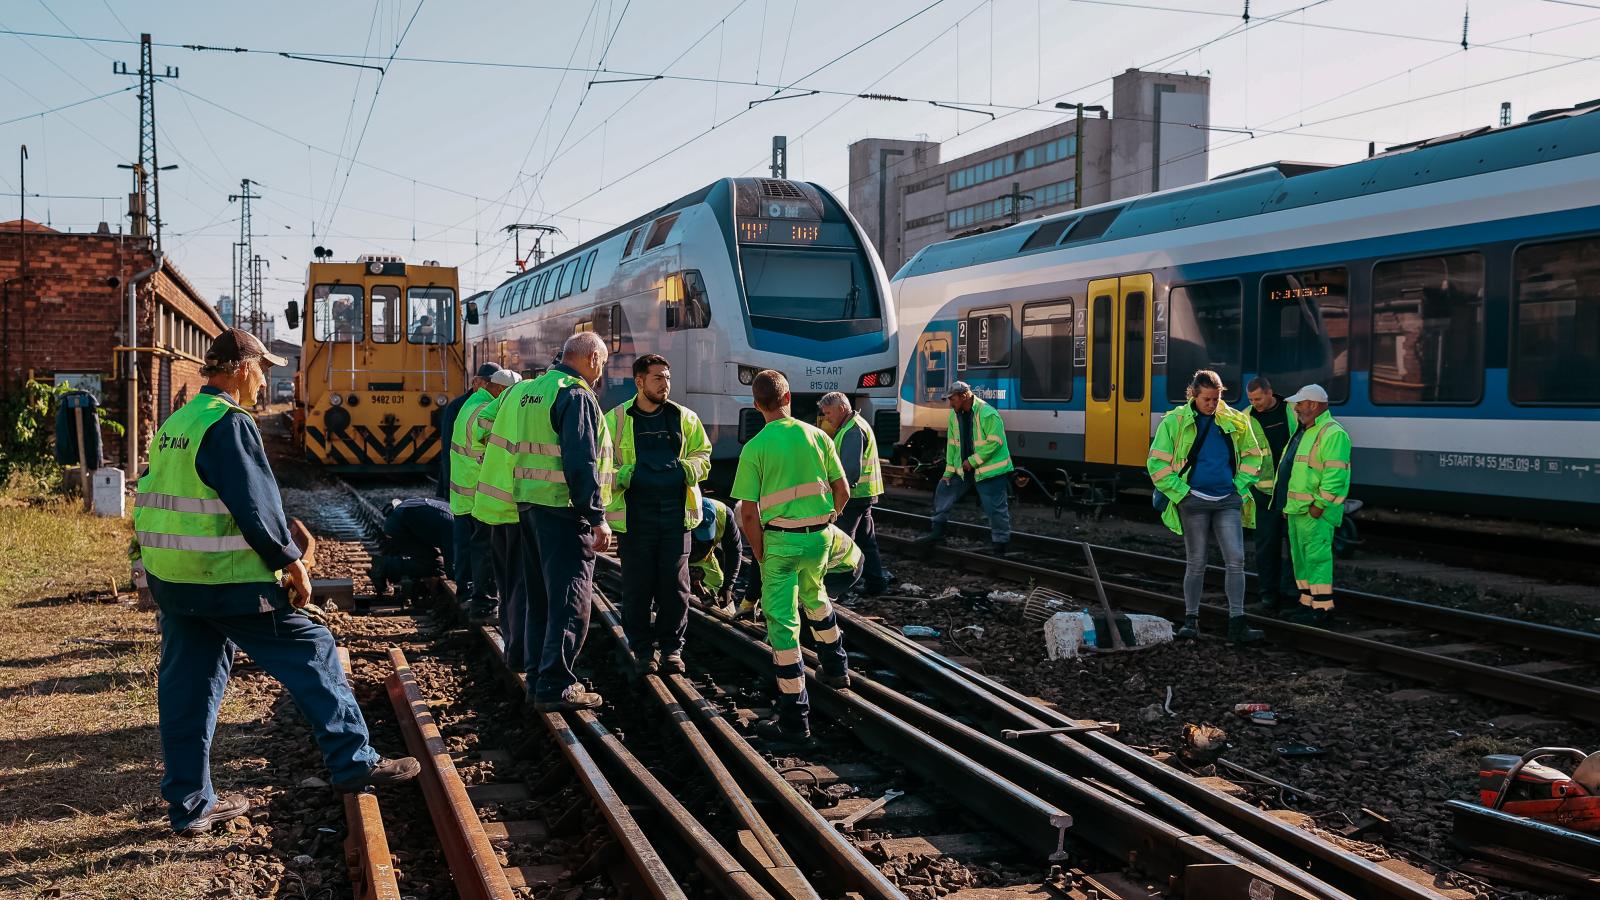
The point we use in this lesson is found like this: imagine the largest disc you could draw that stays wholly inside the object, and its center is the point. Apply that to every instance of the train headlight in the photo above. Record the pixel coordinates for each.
(747, 374)
(425, 400)
(335, 400)
(352, 400)
(442, 400)
(879, 379)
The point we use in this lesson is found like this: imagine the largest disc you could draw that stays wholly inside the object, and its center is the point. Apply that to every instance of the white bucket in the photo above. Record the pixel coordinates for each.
(110, 495)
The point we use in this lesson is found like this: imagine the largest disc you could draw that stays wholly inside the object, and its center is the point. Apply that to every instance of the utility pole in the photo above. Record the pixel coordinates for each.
(247, 294)
(1505, 113)
(1016, 197)
(147, 171)
(1077, 146)
(780, 156)
(536, 252)
(258, 319)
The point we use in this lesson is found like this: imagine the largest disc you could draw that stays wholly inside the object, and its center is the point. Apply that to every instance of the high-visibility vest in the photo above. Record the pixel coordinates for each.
(990, 457)
(1269, 466)
(709, 565)
(694, 453)
(1169, 450)
(522, 456)
(1321, 473)
(185, 532)
(795, 492)
(487, 509)
(871, 482)
(464, 460)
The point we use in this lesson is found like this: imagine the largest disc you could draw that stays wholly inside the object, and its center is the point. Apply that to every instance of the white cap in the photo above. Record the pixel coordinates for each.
(1312, 392)
(506, 377)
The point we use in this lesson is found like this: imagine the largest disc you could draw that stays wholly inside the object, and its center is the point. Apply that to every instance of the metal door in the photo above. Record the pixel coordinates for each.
(1117, 407)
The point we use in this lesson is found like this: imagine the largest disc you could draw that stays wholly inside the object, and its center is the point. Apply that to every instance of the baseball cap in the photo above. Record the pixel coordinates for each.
(505, 377)
(1312, 392)
(238, 345)
(488, 369)
(960, 387)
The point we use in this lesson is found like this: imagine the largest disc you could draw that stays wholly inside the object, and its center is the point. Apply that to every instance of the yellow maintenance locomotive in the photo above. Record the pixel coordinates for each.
(380, 359)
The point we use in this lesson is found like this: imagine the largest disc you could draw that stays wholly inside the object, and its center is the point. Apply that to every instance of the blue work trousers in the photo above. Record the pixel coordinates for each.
(196, 657)
(856, 521)
(993, 495)
(505, 545)
(558, 570)
(474, 572)
(655, 580)
(1274, 574)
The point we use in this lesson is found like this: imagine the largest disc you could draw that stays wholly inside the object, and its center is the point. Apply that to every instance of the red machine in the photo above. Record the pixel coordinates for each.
(1541, 792)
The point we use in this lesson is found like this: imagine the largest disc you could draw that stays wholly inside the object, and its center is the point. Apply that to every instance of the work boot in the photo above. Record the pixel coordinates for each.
(574, 697)
(647, 665)
(229, 807)
(386, 772)
(1240, 632)
(840, 681)
(672, 664)
(1000, 549)
(1190, 629)
(482, 612)
(769, 730)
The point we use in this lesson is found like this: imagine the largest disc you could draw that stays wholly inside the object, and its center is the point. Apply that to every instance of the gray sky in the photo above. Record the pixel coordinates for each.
(486, 115)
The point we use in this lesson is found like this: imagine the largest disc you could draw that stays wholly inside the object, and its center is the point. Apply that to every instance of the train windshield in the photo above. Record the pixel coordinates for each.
(808, 286)
(431, 313)
(336, 313)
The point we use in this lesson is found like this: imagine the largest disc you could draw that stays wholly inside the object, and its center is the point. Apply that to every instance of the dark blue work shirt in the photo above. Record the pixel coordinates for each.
(576, 417)
(1213, 469)
(420, 525)
(232, 461)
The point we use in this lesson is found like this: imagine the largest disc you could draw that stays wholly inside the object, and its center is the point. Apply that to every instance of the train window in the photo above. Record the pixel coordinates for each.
(615, 322)
(1305, 330)
(808, 285)
(386, 321)
(658, 231)
(337, 312)
(983, 340)
(569, 274)
(588, 268)
(1204, 332)
(1092, 225)
(499, 300)
(1047, 234)
(686, 304)
(547, 290)
(1136, 337)
(1047, 340)
(432, 314)
(1100, 331)
(1555, 355)
(1427, 330)
(528, 291)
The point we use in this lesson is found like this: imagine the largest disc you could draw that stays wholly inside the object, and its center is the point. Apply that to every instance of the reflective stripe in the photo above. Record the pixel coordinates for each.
(826, 635)
(457, 448)
(819, 613)
(1265, 484)
(786, 522)
(539, 475)
(154, 540)
(1301, 583)
(1253, 452)
(1249, 469)
(991, 467)
(619, 515)
(789, 657)
(1162, 455)
(174, 503)
(1336, 464)
(1296, 495)
(1317, 604)
(1318, 590)
(1162, 473)
(1329, 497)
(811, 489)
(465, 491)
(606, 477)
(490, 490)
(792, 685)
(530, 447)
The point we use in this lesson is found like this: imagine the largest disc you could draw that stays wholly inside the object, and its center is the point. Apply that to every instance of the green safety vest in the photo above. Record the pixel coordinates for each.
(794, 483)
(522, 459)
(871, 482)
(695, 456)
(484, 509)
(990, 456)
(1321, 473)
(464, 459)
(185, 532)
(1269, 466)
(710, 567)
(1169, 450)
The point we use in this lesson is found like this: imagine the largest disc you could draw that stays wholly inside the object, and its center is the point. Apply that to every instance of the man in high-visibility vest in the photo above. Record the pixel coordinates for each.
(662, 455)
(548, 465)
(1312, 484)
(792, 487)
(1274, 424)
(858, 454)
(220, 563)
(505, 534)
(976, 458)
(716, 551)
(474, 568)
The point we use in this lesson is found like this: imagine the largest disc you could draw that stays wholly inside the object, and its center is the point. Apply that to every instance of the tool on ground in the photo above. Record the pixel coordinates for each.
(1012, 734)
(1525, 786)
(1105, 605)
(1042, 603)
(1257, 776)
(848, 823)
(1367, 821)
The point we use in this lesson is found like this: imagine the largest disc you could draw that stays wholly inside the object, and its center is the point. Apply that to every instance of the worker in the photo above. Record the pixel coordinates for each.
(976, 458)
(417, 542)
(845, 563)
(549, 459)
(784, 478)
(221, 565)
(1273, 422)
(662, 455)
(450, 416)
(858, 454)
(473, 573)
(1311, 486)
(499, 519)
(1202, 462)
(716, 551)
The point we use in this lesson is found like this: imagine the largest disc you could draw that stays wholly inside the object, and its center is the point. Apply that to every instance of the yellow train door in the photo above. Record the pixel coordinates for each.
(1117, 408)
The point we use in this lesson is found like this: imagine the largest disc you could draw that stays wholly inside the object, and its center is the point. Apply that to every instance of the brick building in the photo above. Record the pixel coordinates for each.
(63, 317)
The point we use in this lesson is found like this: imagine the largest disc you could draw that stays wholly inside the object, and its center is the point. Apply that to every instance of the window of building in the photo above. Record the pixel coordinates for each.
(432, 315)
(1047, 340)
(1555, 354)
(659, 231)
(1305, 330)
(1427, 330)
(1027, 158)
(386, 321)
(983, 339)
(1204, 331)
(338, 312)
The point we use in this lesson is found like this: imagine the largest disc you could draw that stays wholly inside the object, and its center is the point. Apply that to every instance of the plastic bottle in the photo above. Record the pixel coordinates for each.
(1089, 639)
(919, 631)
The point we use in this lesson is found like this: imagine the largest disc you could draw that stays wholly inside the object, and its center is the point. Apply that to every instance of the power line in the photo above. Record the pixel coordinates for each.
(56, 109)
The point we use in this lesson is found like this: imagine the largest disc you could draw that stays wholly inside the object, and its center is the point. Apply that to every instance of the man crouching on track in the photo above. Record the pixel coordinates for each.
(220, 563)
(548, 463)
(785, 475)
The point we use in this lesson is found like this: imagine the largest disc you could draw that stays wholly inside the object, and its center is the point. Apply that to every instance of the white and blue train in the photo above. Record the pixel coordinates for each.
(1446, 293)
(742, 275)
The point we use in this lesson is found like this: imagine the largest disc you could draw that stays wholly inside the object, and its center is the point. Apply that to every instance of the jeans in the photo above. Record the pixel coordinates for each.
(1274, 577)
(1200, 519)
(196, 657)
(856, 521)
(655, 577)
(558, 562)
(993, 494)
(474, 574)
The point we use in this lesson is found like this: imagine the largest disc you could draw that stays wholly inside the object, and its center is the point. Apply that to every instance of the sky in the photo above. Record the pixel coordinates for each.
(423, 127)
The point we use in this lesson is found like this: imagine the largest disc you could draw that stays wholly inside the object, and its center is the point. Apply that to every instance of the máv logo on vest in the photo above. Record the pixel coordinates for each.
(171, 442)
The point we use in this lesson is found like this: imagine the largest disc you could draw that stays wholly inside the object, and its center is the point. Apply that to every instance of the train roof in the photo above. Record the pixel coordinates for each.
(1272, 187)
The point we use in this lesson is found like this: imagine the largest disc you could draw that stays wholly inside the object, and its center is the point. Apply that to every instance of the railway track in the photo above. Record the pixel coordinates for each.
(1523, 663)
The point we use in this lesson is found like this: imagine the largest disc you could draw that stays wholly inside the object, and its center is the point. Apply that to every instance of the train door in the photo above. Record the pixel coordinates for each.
(934, 373)
(1117, 408)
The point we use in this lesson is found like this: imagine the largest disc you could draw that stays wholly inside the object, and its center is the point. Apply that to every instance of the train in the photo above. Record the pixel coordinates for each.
(742, 275)
(1446, 293)
(383, 355)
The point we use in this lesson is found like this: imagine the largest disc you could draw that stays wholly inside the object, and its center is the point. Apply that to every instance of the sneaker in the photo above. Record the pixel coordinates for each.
(835, 681)
(229, 807)
(574, 697)
(672, 664)
(386, 772)
(769, 730)
(1190, 629)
